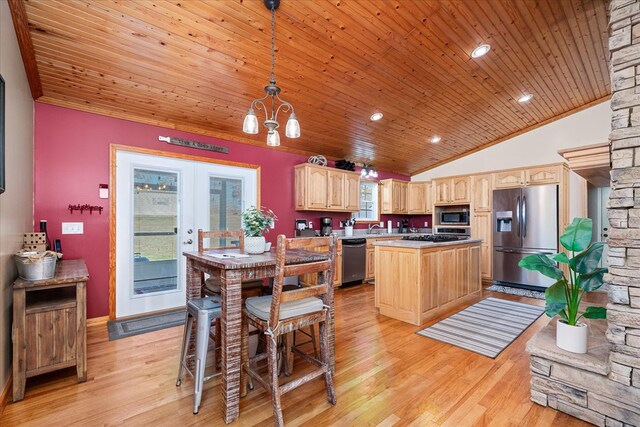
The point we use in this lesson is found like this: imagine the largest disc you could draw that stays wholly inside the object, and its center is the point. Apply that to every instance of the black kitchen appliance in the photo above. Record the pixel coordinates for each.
(354, 260)
(404, 226)
(458, 217)
(326, 225)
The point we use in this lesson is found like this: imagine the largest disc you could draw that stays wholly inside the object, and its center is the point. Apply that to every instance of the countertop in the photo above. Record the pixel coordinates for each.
(417, 244)
(381, 234)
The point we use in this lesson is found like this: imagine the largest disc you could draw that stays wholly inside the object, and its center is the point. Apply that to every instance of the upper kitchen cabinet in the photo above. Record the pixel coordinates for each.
(419, 197)
(482, 192)
(543, 175)
(335, 190)
(318, 188)
(452, 191)
(508, 179)
(549, 174)
(393, 196)
(351, 192)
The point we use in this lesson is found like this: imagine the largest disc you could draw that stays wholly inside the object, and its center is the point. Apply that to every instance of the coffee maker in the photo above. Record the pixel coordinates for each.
(326, 223)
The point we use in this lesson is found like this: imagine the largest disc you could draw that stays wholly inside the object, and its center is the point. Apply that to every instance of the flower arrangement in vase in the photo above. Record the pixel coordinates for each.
(255, 223)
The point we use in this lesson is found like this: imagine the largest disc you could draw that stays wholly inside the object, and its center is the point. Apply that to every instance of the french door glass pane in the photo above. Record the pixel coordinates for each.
(225, 206)
(155, 226)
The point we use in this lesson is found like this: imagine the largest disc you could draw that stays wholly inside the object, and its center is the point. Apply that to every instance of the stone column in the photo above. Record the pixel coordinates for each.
(623, 279)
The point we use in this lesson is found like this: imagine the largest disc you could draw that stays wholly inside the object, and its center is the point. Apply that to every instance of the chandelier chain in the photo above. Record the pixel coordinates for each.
(273, 44)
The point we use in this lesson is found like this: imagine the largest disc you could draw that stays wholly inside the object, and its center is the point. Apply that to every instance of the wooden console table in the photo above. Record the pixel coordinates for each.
(50, 324)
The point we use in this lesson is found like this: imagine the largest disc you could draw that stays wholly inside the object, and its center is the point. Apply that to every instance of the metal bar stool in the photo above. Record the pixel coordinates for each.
(205, 311)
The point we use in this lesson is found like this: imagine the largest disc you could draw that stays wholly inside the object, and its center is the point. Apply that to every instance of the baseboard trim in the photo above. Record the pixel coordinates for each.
(6, 393)
(97, 321)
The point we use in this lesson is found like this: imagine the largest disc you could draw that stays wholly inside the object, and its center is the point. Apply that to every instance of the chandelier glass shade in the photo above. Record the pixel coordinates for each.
(368, 172)
(272, 90)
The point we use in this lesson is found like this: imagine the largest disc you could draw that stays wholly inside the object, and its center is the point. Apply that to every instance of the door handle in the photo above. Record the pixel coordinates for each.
(189, 231)
(518, 214)
(524, 216)
(188, 242)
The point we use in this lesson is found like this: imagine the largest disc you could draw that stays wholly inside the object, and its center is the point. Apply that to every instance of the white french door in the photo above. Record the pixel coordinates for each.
(161, 203)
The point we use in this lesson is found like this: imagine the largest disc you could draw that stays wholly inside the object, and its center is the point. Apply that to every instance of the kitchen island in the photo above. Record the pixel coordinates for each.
(417, 281)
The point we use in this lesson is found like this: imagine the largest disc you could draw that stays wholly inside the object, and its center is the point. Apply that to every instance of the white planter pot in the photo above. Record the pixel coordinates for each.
(254, 244)
(572, 338)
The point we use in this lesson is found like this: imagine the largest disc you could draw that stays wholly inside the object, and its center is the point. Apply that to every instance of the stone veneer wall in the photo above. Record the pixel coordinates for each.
(624, 203)
(603, 387)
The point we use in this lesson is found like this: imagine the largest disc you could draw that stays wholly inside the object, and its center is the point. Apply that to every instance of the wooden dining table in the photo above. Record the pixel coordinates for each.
(233, 271)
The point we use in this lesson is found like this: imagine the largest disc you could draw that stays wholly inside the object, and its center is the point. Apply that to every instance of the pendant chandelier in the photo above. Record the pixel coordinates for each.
(272, 90)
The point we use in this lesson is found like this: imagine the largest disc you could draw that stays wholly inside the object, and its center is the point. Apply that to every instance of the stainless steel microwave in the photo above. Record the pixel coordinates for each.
(454, 217)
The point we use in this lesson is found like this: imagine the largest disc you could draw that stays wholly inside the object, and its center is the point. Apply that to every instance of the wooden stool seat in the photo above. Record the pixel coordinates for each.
(260, 307)
(283, 313)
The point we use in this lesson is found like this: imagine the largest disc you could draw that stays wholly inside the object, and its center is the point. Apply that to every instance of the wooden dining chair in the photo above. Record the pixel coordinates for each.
(233, 239)
(283, 313)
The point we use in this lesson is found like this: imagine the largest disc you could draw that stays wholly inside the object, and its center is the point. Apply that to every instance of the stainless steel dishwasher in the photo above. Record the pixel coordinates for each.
(354, 260)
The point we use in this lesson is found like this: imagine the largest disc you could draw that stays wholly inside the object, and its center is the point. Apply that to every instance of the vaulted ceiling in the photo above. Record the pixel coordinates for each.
(197, 65)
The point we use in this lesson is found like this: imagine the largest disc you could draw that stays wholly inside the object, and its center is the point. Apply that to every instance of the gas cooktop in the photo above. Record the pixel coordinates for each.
(436, 238)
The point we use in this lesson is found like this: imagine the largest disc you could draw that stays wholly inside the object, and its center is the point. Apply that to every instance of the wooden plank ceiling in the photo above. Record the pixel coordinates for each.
(196, 66)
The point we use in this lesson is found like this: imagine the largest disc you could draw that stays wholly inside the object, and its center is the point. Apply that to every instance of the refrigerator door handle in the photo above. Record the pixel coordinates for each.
(524, 251)
(518, 215)
(524, 216)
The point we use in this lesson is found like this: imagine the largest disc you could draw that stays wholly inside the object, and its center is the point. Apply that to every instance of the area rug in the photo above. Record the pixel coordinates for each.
(141, 325)
(487, 327)
(516, 291)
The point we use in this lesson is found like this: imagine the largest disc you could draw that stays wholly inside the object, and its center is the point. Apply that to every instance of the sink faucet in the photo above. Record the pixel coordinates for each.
(372, 226)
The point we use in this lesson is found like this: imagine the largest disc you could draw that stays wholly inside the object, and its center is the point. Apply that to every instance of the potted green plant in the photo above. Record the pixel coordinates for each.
(564, 296)
(255, 223)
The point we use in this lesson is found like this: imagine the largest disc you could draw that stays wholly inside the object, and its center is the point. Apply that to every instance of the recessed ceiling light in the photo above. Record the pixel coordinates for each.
(435, 139)
(525, 98)
(481, 50)
(376, 116)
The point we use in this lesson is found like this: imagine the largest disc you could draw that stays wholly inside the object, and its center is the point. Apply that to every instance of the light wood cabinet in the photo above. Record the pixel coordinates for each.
(310, 279)
(431, 267)
(337, 274)
(351, 192)
(447, 263)
(371, 264)
(481, 229)
(461, 190)
(50, 324)
(452, 191)
(543, 175)
(419, 197)
(318, 188)
(508, 179)
(441, 192)
(482, 193)
(550, 174)
(393, 196)
(370, 271)
(335, 190)
(416, 284)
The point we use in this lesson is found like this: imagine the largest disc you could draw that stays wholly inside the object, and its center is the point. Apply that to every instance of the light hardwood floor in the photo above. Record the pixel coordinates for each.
(386, 375)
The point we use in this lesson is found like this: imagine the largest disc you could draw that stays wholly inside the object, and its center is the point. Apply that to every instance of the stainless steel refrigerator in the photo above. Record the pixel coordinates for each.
(525, 221)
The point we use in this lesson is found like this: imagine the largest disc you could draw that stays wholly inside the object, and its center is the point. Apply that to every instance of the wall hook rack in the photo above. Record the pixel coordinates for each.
(85, 207)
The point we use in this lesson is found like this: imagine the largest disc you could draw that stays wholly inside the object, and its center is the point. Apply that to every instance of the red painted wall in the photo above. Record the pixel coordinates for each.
(72, 159)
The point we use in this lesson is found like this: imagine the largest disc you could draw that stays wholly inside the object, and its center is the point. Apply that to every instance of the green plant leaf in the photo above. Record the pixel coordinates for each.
(595, 313)
(577, 235)
(587, 260)
(541, 263)
(592, 280)
(555, 299)
(560, 257)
